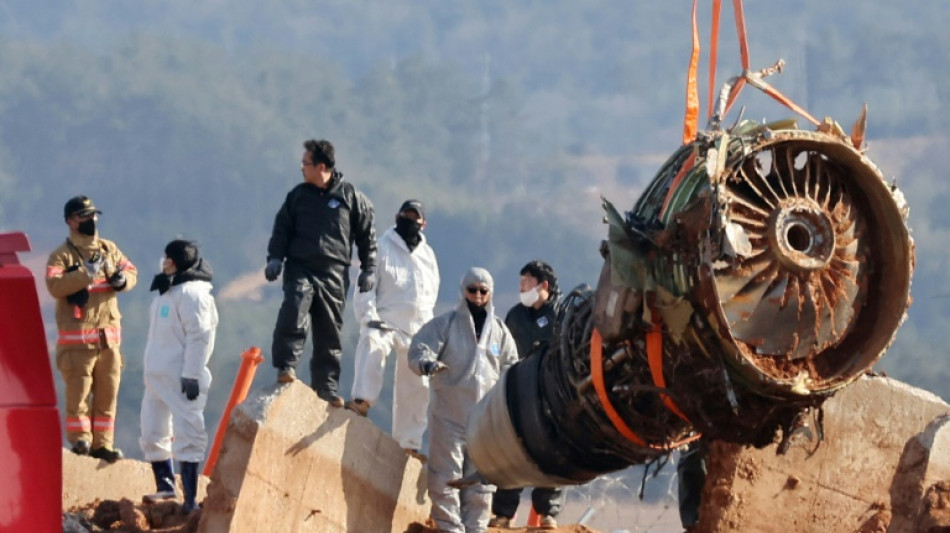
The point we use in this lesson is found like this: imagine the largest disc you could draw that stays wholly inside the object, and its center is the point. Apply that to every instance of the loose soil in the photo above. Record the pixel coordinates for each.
(125, 516)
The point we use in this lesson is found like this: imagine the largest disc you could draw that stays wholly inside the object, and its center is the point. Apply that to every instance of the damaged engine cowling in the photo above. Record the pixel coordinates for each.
(761, 270)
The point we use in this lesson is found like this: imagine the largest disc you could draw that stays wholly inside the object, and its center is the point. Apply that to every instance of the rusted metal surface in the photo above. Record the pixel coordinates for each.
(805, 248)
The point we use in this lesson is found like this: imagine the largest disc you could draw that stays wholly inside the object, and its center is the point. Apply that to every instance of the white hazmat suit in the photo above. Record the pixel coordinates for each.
(407, 287)
(473, 366)
(181, 334)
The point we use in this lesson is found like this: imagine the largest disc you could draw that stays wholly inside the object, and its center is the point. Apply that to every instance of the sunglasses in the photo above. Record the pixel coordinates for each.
(481, 290)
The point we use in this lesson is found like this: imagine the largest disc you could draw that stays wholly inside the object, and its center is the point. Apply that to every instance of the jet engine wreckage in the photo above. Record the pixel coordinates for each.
(763, 268)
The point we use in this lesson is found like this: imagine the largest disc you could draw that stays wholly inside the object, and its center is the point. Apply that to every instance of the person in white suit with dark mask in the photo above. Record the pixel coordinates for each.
(182, 323)
(407, 287)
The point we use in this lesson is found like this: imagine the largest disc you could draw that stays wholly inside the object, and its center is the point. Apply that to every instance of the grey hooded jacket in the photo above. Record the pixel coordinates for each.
(474, 366)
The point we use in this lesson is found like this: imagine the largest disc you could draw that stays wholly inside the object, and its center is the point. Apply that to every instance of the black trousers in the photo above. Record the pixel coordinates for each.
(546, 502)
(313, 303)
(691, 475)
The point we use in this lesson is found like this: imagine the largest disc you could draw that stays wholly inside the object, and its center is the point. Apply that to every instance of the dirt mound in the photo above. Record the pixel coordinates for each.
(124, 516)
(935, 512)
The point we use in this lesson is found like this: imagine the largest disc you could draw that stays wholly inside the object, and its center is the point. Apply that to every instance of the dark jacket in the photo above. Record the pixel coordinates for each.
(316, 227)
(532, 328)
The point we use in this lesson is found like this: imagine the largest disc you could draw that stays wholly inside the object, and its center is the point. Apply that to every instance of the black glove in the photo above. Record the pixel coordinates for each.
(79, 298)
(273, 268)
(117, 280)
(367, 281)
(380, 325)
(430, 368)
(189, 387)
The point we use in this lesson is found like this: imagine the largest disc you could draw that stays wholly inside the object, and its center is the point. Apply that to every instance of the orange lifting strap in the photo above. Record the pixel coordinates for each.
(691, 117)
(713, 56)
(692, 90)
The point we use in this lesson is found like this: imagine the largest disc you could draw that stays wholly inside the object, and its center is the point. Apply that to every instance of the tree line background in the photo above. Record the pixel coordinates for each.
(509, 120)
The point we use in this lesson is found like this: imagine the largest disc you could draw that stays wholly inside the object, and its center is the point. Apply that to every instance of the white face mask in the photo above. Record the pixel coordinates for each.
(161, 264)
(530, 297)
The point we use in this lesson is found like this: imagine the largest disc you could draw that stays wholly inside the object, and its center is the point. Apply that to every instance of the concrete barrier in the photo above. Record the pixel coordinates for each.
(289, 462)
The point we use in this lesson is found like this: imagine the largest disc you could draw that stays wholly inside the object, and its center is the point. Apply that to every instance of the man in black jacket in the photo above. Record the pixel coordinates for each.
(311, 243)
(531, 323)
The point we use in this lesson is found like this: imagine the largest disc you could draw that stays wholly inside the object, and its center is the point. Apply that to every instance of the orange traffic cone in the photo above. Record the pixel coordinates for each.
(534, 519)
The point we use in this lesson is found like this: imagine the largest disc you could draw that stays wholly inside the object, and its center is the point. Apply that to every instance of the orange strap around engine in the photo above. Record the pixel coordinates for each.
(655, 358)
(597, 376)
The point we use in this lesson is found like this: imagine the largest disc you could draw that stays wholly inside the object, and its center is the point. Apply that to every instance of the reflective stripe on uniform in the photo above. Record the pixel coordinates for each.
(126, 265)
(101, 423)
(100, 285)
(80, 423)
(90, 336)
(53, 271)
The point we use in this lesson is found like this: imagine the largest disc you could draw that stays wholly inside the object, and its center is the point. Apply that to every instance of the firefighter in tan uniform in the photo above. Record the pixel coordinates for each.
(84, 275)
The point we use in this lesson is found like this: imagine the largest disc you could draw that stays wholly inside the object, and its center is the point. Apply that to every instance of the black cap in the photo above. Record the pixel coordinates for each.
(415, 205)
(79, 205)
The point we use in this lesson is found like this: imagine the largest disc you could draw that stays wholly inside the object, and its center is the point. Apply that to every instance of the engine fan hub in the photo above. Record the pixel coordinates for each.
(801, 235)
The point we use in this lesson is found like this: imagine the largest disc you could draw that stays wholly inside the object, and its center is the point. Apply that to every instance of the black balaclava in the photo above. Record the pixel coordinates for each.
(479, 313)
(410, 230)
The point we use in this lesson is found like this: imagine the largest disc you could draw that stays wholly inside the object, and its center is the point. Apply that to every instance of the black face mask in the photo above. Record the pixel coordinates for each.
(87, 227)
(409, 230)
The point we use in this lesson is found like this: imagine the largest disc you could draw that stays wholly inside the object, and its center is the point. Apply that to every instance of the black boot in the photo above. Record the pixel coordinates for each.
(81, 447)
(189, 483)
(107, 455)
(164, 481)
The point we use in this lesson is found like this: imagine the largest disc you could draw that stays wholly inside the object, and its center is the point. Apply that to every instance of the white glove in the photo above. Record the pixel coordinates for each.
(94, 264)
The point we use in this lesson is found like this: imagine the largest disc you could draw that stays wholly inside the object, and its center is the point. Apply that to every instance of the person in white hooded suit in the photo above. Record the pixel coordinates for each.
(182, 323)
(406, 290)
(465, 351)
